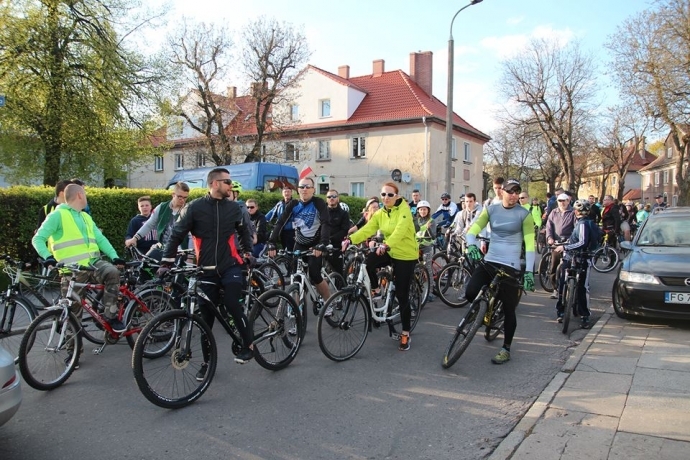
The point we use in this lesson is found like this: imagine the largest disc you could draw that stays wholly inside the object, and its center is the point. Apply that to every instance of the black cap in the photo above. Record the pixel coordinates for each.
(659, 196)
(511, 185)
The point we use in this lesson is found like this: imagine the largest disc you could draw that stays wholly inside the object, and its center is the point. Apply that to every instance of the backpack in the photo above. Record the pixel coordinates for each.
(596, 234)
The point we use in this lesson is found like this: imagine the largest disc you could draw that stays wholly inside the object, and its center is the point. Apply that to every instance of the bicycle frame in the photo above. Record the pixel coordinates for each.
(363, 282)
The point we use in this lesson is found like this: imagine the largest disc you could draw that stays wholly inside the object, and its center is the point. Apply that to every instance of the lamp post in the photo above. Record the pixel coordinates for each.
(449, 103)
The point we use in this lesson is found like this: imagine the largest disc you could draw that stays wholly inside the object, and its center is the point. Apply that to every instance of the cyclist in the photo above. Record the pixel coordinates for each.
(426, 235)
(446, 211)
(559, 227)
(308, 216)
(69, 235)
(512, 226)
(54, 202)
(463, 219)
(611, 219)
(580, 241)
(216, 224)
(369, 209)
(338, 225)
(287, 235)
(162, 220)
(399, 249)
(497, 199)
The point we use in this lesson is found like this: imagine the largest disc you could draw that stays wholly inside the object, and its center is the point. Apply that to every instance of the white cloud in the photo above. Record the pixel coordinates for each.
(515, 20)
(510, 45)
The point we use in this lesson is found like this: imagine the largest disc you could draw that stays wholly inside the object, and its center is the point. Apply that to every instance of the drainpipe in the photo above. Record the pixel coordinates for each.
(426, 155)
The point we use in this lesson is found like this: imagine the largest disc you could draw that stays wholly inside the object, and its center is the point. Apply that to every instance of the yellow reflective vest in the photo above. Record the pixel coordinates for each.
(73, 246)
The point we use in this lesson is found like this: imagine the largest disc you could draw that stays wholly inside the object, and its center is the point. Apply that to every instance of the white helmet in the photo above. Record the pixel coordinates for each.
(423, 204)
(345, 206)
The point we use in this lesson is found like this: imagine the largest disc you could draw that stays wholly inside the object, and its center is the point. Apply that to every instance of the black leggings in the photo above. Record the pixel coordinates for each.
(403, 270)
(508, 294)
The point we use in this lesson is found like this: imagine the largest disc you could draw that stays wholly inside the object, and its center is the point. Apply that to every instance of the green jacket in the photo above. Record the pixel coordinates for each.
(397, 227)
(536, 213)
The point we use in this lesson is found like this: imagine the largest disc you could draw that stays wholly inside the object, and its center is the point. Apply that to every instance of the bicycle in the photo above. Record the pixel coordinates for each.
(40, 285)
(578, 268)
(452, 282)
(52, 344)
(547, 278)
(169, 354)
(16, 311)
(606, 257)
(484, 310)
(343, 333)
(301, 289)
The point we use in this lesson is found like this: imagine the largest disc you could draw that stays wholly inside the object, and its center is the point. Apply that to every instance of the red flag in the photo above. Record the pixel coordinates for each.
(306, 171)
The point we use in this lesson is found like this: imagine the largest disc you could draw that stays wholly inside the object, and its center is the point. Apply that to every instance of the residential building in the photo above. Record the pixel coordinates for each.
(659, 177)
(358, 132)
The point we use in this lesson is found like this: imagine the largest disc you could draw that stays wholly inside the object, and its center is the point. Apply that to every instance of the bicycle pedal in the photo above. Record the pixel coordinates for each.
(395, 336)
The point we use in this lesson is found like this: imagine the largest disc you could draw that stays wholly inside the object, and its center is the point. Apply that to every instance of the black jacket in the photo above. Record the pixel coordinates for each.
(338, 225)
(216, 227)
(261, 226)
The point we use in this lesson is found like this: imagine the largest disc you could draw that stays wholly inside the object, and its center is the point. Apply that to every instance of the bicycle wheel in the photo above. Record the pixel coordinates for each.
(293, 291)
(344, 334)
(335, 282)
(465, 331)
(452, 283)
(421, 274)
(47, 285)
(605, 259)
(284, 263)
(271, 318)
(16, 314)
(414, 302)
(546, 278)
(272, 275)
(569, 302)
(174, 378)
(47, 354)
(438, 261)
(136, 317)
(496, 322)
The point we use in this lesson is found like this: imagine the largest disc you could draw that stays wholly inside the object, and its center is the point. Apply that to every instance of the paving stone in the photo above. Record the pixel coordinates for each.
(657, 413)
(620, 350)
(629, 446)
(599, 381)
(609, 364)
(593, 401)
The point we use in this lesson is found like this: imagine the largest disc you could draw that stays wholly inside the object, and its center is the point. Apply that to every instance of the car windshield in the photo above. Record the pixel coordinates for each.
(665, 232)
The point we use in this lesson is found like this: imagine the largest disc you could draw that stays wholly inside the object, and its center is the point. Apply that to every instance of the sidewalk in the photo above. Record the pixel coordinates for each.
(623, 394)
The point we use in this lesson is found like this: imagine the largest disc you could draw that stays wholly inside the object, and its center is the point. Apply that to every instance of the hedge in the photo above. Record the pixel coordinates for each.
(111, 209)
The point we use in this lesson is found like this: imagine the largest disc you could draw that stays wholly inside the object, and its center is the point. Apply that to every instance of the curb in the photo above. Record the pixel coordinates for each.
(524, 427)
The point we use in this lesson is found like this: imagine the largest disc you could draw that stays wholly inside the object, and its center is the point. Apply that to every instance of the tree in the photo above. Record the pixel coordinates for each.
(650, 60)
(76, 94)
(552, 89)
(202, 55)
(273, 53)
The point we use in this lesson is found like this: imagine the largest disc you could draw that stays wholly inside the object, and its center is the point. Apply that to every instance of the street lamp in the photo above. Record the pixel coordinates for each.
(449, 102)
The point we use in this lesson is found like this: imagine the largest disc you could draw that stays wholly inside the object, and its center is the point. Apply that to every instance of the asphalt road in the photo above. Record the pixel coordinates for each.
(381, 404)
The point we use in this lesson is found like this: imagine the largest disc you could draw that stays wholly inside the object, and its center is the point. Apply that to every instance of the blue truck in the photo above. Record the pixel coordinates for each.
(264, 177)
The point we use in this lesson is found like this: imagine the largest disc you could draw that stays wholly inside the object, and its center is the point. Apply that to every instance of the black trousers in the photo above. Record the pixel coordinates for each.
(403, 271)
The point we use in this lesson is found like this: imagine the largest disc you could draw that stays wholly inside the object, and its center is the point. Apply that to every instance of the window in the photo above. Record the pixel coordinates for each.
(294, 112)
(291, 152)
(200, 160)
(669, 152)
(325, 108)
(179, 161)
(656, 178)
(359, 147)
(666, 177)
(613, 181)
(324, 150)
(453, 149)
(158, 164)
(467, 157)
(357, 189)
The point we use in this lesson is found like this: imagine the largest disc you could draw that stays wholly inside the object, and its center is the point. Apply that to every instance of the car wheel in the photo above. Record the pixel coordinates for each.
(618, 302)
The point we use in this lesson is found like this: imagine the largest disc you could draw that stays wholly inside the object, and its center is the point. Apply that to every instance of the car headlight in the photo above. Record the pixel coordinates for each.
(634, 277)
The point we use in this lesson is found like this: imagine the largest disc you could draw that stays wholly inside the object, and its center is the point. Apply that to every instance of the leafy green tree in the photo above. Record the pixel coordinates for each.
(78, 93)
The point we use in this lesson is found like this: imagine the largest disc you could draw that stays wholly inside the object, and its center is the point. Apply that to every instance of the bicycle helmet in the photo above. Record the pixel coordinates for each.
(424, 204)
(445, 195)
(236, 186)
(582, 206)
(345, 206)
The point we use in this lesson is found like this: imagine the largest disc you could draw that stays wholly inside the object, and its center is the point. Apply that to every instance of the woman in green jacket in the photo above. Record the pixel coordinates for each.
(399, 249)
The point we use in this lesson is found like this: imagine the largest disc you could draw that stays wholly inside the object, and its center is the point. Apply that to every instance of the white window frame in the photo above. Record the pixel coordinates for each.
(666, 174)
(324, 108)
(323, 150)
(656, 178)
(200, 160)
(178, 161)
(359, 147)
(294, 112)
(158, 163)
(669, 152)
(357, 189)
(292, 149)
(454, 149)
(613, 181)
(467, 154)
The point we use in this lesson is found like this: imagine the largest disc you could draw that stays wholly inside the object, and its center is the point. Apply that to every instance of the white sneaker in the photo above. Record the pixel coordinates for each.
(329, 311)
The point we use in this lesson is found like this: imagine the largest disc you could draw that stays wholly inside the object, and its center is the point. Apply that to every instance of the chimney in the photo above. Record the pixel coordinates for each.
(232, 92)
(421, 70)
(344, 72)
(378, 68)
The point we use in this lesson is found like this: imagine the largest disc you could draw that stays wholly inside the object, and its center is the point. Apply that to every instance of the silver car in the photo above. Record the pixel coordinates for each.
(10, 387)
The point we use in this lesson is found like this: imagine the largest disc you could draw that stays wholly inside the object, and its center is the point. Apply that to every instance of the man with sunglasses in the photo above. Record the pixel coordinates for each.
(309, 219)
(512, 225)
(162, 220)
(559, 226)
(222, 240)
(338, 225)
(258, 220)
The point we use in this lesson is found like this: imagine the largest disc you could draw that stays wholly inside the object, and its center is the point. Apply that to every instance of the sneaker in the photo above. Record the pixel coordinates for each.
(554, 295)
(117, 325)
(584, 322)
(202, 372)
(503, 356)
(244, 356)
(69, 360)
(329, 311)
(292, 330)
(404, 342)
(559, 317)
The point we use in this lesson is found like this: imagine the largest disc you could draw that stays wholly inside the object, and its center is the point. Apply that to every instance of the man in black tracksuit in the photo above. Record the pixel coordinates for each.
(217, 225)
(338, 225)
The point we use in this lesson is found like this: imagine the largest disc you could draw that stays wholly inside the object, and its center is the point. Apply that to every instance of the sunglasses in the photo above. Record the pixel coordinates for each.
(512, 192)
(389, 195)
(562, 201)
(331, 197)
(251, 207)
(225, 181)
(523, 197)
(303, 187)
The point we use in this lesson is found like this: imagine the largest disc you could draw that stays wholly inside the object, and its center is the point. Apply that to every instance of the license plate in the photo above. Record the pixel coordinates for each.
(677, 297)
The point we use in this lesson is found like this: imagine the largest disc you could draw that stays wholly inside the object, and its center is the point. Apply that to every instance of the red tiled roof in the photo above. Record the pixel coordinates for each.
(633, 194)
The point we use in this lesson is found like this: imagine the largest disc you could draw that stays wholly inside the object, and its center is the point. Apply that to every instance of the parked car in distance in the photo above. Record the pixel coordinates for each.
(654, 277)
(10, 387)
